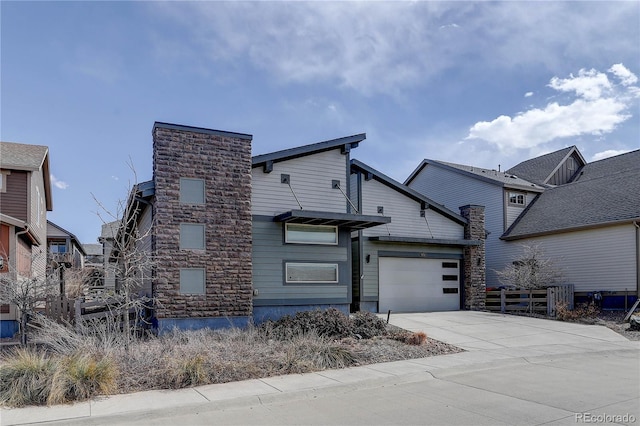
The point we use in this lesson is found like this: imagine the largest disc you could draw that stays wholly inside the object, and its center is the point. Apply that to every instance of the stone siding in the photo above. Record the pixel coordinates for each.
(223, 161)
(474, 258)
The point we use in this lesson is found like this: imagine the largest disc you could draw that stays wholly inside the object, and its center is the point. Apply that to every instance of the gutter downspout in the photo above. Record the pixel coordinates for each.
(635, 223)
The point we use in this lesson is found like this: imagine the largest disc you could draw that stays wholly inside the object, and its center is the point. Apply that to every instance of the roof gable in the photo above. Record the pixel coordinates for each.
(371, 173)
(542, 169)
(597, 200)
(491, 176)
(345, 144)
(19, 156)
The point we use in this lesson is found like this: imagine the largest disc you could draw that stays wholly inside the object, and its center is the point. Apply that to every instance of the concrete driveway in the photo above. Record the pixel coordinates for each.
(516, 370)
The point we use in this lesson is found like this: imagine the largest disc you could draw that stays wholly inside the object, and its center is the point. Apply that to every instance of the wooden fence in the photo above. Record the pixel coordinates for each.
(542, 301)
(64, 310)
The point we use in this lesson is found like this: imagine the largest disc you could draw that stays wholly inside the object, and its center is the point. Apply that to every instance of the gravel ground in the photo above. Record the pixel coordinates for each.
(614, 321)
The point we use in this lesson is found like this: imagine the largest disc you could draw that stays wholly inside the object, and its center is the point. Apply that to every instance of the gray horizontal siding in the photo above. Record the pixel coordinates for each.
(311, 178)
(270, 253)
(405, 215)
(602, 259)
(513, 212)
(455, 190)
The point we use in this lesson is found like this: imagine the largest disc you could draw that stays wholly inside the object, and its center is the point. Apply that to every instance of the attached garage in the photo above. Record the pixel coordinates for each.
(418, 285)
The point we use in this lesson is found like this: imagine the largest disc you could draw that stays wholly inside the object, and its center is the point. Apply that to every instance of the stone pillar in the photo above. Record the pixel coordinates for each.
(223, 161)
(474, 258)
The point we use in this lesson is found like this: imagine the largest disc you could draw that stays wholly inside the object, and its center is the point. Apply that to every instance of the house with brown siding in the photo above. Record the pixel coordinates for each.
(25, 198)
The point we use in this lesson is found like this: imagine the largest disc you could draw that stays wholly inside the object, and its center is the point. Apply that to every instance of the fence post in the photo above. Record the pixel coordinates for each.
(503, 301)
(551, 302)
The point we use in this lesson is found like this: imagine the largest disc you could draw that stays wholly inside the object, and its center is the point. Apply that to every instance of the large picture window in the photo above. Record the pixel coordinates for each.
(192, 281)
(311, 273)
(310, 234)
(191, 191)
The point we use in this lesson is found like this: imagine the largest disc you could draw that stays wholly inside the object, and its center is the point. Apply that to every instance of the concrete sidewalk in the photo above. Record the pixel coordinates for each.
(502, 343)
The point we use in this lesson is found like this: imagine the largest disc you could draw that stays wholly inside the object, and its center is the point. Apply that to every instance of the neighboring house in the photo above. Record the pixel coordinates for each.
(585, 216)
(236, 238)
(590, 227)
(25, 198)
(64, 252)
(421, 261)
(95, 255)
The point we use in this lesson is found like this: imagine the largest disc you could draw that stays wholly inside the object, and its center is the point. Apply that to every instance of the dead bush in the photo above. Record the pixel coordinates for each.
(367, 325)
(325, 322)
(411, 338)
(582, 312)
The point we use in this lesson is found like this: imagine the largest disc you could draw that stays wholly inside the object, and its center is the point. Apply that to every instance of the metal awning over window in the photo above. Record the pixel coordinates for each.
(345, 220)
(430, 241)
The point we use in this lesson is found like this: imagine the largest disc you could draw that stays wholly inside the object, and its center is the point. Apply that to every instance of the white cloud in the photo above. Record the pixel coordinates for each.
(390, 47)
(598, 107)
(58, 183)
(528, 94)
(588, 84)
(608, 153)
(626, 77)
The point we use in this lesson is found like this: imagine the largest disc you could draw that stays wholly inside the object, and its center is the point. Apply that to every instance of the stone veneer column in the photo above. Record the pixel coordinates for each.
(223, 161)
(474, 258)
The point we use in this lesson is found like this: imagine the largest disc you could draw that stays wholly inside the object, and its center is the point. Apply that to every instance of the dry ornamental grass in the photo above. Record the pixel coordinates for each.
(74, 364)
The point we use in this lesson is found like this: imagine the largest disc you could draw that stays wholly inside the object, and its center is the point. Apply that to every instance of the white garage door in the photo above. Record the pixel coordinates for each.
(418, 285)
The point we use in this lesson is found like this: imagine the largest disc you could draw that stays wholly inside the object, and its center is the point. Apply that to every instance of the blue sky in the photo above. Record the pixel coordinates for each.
(484, 83)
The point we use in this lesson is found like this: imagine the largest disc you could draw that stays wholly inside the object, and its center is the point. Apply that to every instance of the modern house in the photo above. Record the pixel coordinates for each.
(235, 238)
(25, 198)
(585, 216)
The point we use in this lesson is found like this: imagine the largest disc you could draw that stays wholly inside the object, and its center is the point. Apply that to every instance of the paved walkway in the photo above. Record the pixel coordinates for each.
(516, 370)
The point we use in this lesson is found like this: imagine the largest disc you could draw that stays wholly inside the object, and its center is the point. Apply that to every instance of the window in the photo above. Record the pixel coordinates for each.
(310, 234)
(517, 199)
(57, 247)
(311, 273)
(192, 281)
(192, 191)
(38, 206)
(450, 290)
(192, 236)
(449, 278)
(449, 264)
(3, 180)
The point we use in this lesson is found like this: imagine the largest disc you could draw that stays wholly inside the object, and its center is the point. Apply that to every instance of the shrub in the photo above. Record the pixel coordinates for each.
(189, 371)
(80, 376)
(579, 313)
(368, 325)
(310, 352)
(416, 338)
(25, 378)
(326, 323)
